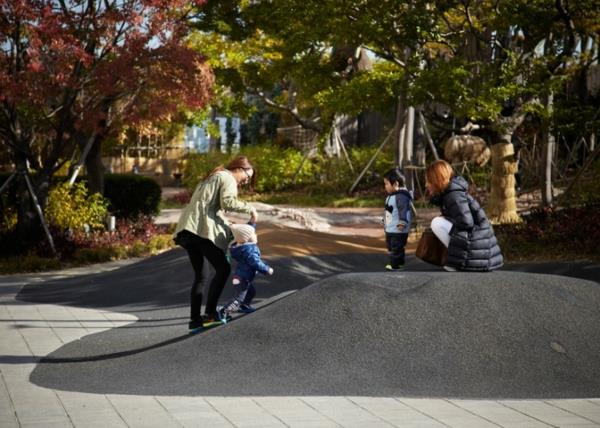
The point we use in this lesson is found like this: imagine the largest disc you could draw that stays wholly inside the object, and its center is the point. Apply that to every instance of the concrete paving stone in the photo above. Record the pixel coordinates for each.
(94, 330)
(8, 417)
(546, 413)
(89, 409)
(192, 419)
(310, 423)
(344, 412)
(499, 414)
(142, 411)
(595, 401)
(44, 420)
(41, 341)
(23, 311)
(293, 411)
(581, 408)
(47, 424)
(193, 412)
(55, 312)
(447, 413)
(66, 335)
(116, 319)
(394, 412)
(8, 422)
(243, 412)
(580, 426)
(4, 314)
(13, 344)
(85, 315)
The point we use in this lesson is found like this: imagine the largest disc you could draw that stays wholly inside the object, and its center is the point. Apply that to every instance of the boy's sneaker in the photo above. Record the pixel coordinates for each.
(222, 315)
(394, 269)
(450, 269)
(246, 309)
(194, 324)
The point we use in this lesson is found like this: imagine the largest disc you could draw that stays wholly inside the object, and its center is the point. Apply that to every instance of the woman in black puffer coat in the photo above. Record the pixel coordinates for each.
(463, 226)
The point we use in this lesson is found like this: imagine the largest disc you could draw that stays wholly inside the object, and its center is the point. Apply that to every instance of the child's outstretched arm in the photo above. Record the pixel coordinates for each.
(256, 262)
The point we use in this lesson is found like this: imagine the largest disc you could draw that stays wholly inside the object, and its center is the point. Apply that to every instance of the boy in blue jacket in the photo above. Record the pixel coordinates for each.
(246, 253)
(397, 217)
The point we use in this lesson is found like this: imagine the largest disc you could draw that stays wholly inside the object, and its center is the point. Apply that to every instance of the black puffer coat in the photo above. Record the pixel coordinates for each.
(473, 245)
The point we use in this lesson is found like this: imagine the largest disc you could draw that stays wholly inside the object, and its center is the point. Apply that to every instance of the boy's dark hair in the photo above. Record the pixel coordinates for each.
(395, 175)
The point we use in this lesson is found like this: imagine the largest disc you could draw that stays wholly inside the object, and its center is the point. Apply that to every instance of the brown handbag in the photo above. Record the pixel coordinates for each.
(431, 250)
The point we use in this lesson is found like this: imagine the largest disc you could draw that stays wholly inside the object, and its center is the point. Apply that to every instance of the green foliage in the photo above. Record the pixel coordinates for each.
(276, 166)
(28, 263)
(8, 203)
(70, 207)
(375, 90)
(132, 195)
(587, 190)
(199, 165)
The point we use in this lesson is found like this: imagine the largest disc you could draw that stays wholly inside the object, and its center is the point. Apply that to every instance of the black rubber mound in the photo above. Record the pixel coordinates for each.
(413, 334)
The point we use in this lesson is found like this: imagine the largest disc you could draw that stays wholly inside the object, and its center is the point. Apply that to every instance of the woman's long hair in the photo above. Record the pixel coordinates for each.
(438, 174)
(239, 162)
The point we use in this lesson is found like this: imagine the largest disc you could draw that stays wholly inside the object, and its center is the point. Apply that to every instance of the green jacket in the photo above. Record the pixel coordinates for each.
(203, 216)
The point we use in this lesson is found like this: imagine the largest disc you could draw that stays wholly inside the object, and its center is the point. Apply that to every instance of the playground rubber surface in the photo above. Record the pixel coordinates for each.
(348, 329)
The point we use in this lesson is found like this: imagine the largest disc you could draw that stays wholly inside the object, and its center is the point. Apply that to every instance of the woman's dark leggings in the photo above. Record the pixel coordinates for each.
(198, 249)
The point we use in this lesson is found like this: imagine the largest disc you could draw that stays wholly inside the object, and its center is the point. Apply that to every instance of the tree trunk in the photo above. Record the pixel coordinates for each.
(95, 168)
(409, 146)
(549, 145)
(399, 132)
(214, 142)
(29, 229)
(502, 205)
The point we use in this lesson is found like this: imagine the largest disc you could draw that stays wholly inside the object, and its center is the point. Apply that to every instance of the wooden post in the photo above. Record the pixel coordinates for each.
(366, 168)
(399, 127)
(428, 136)
(550, 143)
(408, 146)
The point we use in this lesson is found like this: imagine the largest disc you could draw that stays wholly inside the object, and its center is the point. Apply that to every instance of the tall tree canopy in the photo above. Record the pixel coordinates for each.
(72, 72)
(489, 62)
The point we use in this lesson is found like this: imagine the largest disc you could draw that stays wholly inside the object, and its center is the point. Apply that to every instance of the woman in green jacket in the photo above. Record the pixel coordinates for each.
(204, 233)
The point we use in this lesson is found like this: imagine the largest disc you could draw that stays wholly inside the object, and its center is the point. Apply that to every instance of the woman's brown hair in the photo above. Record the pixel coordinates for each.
(239, 162)
(438, 174)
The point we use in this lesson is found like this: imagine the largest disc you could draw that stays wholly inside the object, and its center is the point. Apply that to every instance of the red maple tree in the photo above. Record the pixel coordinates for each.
(73, 72)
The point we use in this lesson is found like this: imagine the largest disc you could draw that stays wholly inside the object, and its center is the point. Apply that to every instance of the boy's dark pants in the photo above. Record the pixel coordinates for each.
(395, 245)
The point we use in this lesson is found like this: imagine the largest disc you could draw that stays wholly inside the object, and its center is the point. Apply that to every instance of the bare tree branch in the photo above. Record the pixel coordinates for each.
(305, 123)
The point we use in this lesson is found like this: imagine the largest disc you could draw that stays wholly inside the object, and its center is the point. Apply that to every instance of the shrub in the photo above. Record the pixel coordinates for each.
(28, 263)
(199, 165)
(8, 203)
(132, 195)
(275, 166)
(566, 234)
(70, 207)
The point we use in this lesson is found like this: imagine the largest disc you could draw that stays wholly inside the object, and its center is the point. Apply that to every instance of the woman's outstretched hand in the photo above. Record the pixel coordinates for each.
(253, 217)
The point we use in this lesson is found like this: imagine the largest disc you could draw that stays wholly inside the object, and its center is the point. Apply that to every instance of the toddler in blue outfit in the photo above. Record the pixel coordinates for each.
(246, 253)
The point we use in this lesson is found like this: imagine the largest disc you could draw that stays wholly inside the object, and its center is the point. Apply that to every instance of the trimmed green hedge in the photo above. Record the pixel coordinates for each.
(132, 195)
